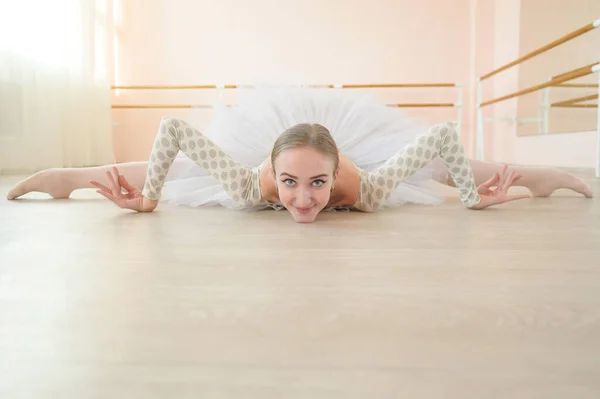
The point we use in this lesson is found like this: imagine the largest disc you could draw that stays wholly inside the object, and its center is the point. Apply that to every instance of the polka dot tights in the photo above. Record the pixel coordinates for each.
(243, 184)
(442, 139)
(174, 135)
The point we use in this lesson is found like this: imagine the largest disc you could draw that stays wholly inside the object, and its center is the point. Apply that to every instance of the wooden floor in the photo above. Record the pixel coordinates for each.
(419, 302)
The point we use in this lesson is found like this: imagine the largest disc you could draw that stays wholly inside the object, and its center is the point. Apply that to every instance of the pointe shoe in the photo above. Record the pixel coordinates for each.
(50, 181)
(558, 179)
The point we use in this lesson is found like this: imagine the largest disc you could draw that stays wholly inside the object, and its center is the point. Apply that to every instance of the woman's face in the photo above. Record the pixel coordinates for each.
(304, 178)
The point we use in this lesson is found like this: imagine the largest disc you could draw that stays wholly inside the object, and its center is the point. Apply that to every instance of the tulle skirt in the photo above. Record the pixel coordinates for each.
(366, 131)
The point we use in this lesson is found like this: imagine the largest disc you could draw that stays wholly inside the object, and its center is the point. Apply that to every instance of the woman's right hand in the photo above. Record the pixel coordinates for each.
(132, 199)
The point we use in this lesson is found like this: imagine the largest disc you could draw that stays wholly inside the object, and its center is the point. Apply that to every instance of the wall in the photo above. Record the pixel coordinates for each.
(543, 21)
(315, 41)
(482, 54)
(506, 49)
(282, 41)
(515, 34)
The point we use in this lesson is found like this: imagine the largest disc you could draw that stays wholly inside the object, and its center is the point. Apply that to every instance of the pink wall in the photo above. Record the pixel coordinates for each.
(520, 27)
(283, 41)
(499, 146)
(313, 41)
(546, 20)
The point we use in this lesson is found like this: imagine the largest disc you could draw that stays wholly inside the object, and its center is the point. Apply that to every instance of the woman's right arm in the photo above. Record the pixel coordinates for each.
(131, 199)
(174, 135)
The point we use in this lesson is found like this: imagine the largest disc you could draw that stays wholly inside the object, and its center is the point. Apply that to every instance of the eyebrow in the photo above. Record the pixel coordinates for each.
(313, 177)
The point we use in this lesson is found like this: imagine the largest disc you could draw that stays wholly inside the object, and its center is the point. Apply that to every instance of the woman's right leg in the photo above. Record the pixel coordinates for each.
(61, 182)
(239, 181)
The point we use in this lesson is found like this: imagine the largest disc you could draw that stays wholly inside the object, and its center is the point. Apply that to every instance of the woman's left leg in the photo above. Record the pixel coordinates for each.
(542, 182)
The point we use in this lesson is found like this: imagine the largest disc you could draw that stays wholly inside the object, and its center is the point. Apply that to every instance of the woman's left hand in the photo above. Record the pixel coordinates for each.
(502, 182)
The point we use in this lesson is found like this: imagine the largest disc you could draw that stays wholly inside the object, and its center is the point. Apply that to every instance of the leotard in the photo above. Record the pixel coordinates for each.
(243, 183)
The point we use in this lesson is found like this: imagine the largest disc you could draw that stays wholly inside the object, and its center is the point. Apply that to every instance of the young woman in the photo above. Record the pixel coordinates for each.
(275, 151)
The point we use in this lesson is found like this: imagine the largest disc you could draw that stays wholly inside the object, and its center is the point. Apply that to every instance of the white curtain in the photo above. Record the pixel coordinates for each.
(54, 84)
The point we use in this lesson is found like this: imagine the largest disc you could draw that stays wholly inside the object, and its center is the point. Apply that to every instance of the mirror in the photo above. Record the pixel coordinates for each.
(570, 106)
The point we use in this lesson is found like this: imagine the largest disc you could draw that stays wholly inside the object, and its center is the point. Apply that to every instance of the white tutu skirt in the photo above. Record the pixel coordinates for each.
(366, 131)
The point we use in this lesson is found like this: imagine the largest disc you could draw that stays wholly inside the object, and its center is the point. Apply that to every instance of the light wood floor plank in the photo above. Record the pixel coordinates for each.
(416, 302)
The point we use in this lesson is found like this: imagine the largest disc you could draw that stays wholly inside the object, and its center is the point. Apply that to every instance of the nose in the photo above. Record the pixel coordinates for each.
(303, 199)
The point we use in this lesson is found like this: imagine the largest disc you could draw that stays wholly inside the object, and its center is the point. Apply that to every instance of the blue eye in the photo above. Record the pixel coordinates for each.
(288, 182)
(318, 183)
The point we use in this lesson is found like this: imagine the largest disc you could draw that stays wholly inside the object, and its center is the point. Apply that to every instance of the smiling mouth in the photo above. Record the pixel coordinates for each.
(304, 210)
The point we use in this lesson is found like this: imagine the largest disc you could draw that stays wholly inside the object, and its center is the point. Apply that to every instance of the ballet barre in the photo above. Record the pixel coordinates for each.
(576, 106)
(208, 106)
(458, 104)
(328, 86)
(570, 36)
(578, 85)
(560, 80)
(574, 101)
(573, 74)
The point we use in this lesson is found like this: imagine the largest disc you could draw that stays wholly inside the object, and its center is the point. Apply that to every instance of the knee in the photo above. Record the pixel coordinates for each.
(449, 131)
(446, 129)
(171, 121)
(443, 134)
(167, 119)
(171, 126)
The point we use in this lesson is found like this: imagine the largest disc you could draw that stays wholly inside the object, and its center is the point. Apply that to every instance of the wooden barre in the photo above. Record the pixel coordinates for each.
(576, 106)
(417, 105)
(566, 38)
(172, 87)
(578, 85)
(204, 106)
(150, 106)
(574, 74)
(330, 86)
(574, 70)
(575, 100)
(386, 85)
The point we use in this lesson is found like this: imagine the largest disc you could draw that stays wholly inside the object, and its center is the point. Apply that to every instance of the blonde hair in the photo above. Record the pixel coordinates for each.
(307, 135)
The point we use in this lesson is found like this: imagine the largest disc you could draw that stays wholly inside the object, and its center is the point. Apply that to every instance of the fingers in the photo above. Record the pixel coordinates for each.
(116, 188)
(507, 181)
(100, 186)
(501, 178)
(109, 197)
(106, 195)
(493, 180)
(126, 185)
(115, 177)
(517, 177)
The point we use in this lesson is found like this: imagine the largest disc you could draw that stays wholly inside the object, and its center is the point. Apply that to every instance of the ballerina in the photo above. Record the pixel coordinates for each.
(305, 171)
